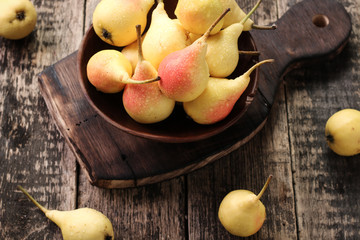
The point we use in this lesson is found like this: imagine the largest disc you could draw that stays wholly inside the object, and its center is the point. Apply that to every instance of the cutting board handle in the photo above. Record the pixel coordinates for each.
(308, 32)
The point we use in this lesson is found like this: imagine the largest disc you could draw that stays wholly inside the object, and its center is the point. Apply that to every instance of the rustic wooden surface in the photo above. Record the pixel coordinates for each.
(314, 193)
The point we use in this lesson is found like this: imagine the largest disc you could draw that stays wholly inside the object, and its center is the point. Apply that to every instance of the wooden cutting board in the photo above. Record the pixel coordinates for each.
(310, 31)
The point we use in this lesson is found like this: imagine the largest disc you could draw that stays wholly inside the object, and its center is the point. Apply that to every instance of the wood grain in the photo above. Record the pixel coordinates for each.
(314, 193)
(33, 153)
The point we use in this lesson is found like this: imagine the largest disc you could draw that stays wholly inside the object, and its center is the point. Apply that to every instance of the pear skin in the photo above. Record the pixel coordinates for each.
(223, 54)
(218, 98)
(198, 15)
(114, 21)
(106, 69)
(145, 103)
(235, 15)
(184, 73)
(17, 18)
(342, 132)
(242, 213)
(109, 70)
(164, 36)
(82, 223)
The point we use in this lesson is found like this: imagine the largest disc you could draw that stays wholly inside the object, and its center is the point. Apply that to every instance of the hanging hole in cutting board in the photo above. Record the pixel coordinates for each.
(320, 21)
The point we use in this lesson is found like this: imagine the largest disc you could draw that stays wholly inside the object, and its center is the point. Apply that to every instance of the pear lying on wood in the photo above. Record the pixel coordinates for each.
(82, 223)
(242, 213)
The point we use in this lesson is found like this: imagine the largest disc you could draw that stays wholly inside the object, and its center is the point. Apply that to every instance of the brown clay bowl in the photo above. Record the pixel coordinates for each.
(177, 128)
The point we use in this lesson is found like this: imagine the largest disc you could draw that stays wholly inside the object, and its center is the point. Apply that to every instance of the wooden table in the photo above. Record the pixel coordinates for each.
(314, 193)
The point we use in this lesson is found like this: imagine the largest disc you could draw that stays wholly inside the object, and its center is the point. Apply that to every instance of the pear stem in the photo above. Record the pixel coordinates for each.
(264, 188)
(253, 53)
(260, 27)
(132, 81)
(207, 33)
(33, 200)
(160, 1)
(250, 13)
(248, 72)
(140, 52)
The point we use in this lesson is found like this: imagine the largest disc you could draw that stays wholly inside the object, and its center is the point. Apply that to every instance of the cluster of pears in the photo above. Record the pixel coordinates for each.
(185, 60)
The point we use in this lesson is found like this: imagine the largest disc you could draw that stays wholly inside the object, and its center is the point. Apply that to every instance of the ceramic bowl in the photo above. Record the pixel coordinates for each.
(178, 127)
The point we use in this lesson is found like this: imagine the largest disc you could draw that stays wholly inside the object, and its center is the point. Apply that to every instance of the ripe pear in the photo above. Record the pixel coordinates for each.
(17, 18)
(198, 15)
(237, 14)
(145, 103)
(184, 73)
(219, 97)
(164, 36)
(131, 52)
(82, 223)
(342, 131)
(109, 70)
(222, 54)
(242, 213)
(114, 21)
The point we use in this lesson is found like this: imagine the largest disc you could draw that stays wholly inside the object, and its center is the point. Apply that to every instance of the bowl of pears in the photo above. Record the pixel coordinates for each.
(172, 71)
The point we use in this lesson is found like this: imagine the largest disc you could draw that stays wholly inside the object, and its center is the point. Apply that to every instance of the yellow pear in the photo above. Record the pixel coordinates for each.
(237, 14)
(242, 213)
(219, 97)
(145, 103)
(109, 70)
(82, 223)
(197, 16)
(17, 18)
(114, 21)
(163, 37)
(184, 73)
(223, 54)
(342, 131)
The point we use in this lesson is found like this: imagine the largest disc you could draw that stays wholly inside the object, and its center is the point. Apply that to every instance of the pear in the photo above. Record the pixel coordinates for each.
(164, 36)
(219, 97)
(114, 21)
(222, 54)
(342, 132)
(109, 70)
(82, 223)
(145, 103)
(131, 52)
(237, 14)
(184, 73)
(17, 18)
(198, 15)
(242, 213)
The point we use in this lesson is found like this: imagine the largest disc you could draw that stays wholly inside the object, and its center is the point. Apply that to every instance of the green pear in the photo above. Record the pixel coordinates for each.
(17, 18)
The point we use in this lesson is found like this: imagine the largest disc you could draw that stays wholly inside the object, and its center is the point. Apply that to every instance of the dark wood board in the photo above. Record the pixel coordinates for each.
(115, 159)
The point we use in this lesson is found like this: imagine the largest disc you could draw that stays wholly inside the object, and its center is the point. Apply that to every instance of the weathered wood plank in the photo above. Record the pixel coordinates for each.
(247, 168)
(157, 211)
(326, 185)
(33, 153)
